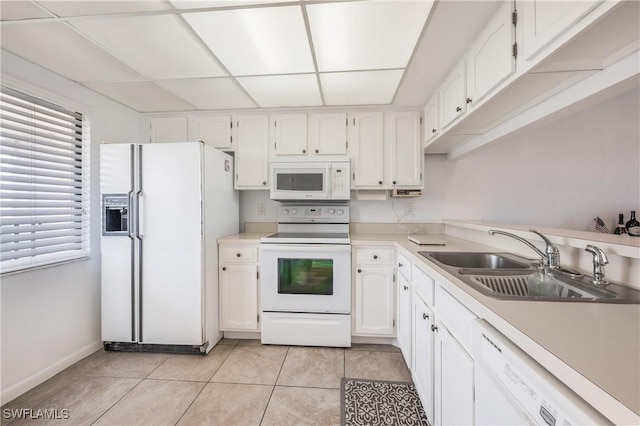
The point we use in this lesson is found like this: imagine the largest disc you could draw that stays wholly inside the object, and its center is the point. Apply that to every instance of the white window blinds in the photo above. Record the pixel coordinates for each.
(43, 193)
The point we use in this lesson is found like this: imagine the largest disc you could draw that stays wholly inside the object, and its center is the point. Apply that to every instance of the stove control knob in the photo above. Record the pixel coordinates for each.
(286, 212)
(332, 212)
(294, 212)
(340, 212)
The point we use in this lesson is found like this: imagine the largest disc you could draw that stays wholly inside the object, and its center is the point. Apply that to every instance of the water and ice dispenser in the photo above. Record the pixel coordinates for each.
(115, 214)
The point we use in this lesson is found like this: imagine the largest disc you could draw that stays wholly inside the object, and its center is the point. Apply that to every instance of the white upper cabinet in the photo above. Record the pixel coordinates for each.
(252, 151)
(431, 118)
(491, 60)
(328, 134)
(406, 149)
(290, 134)
(367, 138)
(453, 95)
(167, 129)
(213, 130)
(543, 21)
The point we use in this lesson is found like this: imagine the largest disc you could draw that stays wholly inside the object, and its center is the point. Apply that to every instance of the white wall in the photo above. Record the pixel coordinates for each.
(51, 317)
(560, 174)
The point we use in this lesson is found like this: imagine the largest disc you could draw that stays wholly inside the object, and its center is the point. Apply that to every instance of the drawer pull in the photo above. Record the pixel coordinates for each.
(224, 268)
(375, 256)
(238, 254)
(399, 265)
(425, 316)
(359, 271)
(434, 327)
(406, 288)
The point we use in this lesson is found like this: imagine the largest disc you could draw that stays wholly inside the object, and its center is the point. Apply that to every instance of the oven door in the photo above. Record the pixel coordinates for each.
(300, 181)
(305, 278)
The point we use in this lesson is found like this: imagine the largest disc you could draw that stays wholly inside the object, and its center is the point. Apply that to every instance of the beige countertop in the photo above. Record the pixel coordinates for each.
(599, 341)
(594, 348)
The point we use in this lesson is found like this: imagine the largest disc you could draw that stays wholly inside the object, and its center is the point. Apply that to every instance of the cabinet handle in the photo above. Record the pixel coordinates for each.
(264, 182)
(406, 288)
(399, 265)
(433, 130)
(458, 109)
(359, 271)
(375, 256)
(425, 316)
(224, 268)
(434, 327)
(304, 151)
(200, 140)
(238, 254)
(379, 182)
(469, 100)
(394, 182)
(317, 151)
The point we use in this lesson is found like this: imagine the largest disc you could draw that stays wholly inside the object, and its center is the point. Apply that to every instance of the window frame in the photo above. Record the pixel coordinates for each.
(8, 267)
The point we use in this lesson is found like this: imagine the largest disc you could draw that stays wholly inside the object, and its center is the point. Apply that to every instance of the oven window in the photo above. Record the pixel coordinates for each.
(305, 276)
(300, 181)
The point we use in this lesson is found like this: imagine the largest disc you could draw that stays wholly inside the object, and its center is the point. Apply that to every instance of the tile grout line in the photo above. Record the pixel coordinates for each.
(120, 399)
(274, 385)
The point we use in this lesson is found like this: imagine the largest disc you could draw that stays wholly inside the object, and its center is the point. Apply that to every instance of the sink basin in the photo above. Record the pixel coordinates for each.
(504, 276)
(475, 260)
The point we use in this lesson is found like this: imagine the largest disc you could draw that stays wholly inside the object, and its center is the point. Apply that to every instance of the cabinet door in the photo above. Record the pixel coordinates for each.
(431, 115)
(290, 134)
(252, 153)
(168, 129)
(329, 134)
(374, 301)
(423, 345)
(239, 297)
(404, 317)
(214, 130)
(454, 381)
(490, 60)
(543, 21)
(406, 150)
(368, 143)
(453, 94)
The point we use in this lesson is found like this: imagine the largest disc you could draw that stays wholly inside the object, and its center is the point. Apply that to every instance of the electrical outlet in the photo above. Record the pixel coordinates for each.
(262, 209)
(409, 209)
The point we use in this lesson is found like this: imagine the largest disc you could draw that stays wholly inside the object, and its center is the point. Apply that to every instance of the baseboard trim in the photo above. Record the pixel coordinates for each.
(34, 380)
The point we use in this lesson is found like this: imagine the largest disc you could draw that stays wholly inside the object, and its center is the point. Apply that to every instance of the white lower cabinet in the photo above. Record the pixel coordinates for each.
(239, 288)
(404, 309)
(374, 300)
(453, 380)
(423, 352)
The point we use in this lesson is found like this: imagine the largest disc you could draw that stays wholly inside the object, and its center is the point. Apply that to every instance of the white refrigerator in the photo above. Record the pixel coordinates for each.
(163, 207)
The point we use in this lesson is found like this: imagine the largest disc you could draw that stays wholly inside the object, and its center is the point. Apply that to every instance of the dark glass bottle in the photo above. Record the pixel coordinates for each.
(633, 226)
(621, 228)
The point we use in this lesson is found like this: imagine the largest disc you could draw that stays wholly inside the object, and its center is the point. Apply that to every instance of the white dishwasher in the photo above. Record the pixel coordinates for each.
(511, 388)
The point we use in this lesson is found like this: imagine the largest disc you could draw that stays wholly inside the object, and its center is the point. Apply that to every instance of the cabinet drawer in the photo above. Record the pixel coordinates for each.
(404, 266)
(239, 254)
(423, 284)
(375, 256)
(455, 316)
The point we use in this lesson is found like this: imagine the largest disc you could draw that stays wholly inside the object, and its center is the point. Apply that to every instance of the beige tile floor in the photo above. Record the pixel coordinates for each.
(240, 382)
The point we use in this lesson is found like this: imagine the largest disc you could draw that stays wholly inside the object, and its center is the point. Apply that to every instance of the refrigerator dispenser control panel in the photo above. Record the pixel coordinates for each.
(115, 214)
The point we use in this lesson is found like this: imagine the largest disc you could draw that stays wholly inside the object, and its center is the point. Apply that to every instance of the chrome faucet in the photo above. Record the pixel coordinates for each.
(599, 260)
(551, 255)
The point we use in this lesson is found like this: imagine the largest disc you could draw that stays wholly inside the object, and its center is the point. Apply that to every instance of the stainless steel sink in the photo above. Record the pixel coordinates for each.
(476, 260)
(504, 276)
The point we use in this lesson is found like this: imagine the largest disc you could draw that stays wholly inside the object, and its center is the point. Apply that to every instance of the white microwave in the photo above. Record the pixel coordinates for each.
(310, 181)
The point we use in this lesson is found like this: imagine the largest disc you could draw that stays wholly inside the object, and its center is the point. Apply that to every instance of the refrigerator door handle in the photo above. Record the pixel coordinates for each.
(141, 212)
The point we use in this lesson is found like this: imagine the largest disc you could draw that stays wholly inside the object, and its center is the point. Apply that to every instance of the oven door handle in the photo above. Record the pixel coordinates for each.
(316, 248)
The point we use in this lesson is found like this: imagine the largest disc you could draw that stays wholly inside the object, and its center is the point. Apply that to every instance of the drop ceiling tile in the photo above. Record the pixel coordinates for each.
(158, 46)
(283, 90)
(360, 88)
(366, 34)
(141, 96)
(269, 40)
(197, 4)
(210, 93)
(66, 52)
(14, 10)
(100, 7)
